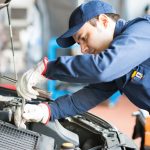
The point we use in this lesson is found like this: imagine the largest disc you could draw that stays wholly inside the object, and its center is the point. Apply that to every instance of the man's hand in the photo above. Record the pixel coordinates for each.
(29, 79)
(33, 113)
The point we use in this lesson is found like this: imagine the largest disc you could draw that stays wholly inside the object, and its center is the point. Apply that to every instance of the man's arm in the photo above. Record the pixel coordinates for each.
(127, 51)
(68, 105)
(81, 101)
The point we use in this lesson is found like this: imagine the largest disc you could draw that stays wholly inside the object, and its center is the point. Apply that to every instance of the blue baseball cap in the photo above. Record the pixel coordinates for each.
(80, 16)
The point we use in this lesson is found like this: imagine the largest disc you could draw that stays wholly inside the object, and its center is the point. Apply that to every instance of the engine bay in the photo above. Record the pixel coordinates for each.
(85, 131)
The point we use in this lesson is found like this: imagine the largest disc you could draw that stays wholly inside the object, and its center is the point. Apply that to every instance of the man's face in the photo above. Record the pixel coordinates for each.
(93, 39)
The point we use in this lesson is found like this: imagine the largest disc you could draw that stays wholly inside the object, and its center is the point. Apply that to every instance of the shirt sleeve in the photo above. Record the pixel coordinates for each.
(81, 101)
(127, 51)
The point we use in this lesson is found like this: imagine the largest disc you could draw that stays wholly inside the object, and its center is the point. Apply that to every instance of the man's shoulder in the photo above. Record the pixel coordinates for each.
(147, 17)
(134, 26)
(138, 20)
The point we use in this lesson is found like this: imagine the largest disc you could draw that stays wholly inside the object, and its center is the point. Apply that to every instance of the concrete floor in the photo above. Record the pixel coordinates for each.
(119, 116)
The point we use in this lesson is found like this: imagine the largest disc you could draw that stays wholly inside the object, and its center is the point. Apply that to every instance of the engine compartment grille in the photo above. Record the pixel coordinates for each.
(12, 138)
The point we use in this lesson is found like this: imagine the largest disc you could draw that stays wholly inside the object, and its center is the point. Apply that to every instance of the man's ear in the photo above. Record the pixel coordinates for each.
(104, 20)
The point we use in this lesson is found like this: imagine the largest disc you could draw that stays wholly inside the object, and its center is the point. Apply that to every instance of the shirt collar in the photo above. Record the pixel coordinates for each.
(119, 26)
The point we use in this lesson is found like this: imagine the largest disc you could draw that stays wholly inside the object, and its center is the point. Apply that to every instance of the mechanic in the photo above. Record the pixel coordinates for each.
(116, 57)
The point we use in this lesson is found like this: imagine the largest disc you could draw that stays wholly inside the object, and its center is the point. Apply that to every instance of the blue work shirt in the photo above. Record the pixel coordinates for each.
(124, 66)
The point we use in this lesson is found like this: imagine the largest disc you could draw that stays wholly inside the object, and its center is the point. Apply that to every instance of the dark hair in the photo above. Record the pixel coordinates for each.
(114, 17)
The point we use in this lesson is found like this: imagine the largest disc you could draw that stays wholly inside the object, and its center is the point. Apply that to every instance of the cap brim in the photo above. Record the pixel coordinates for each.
(65, 42)
(66, 39)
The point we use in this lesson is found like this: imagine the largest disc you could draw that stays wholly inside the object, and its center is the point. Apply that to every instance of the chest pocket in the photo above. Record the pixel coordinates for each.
(140, 76)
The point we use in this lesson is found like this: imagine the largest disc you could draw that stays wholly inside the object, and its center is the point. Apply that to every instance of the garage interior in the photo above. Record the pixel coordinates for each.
(35, 26)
